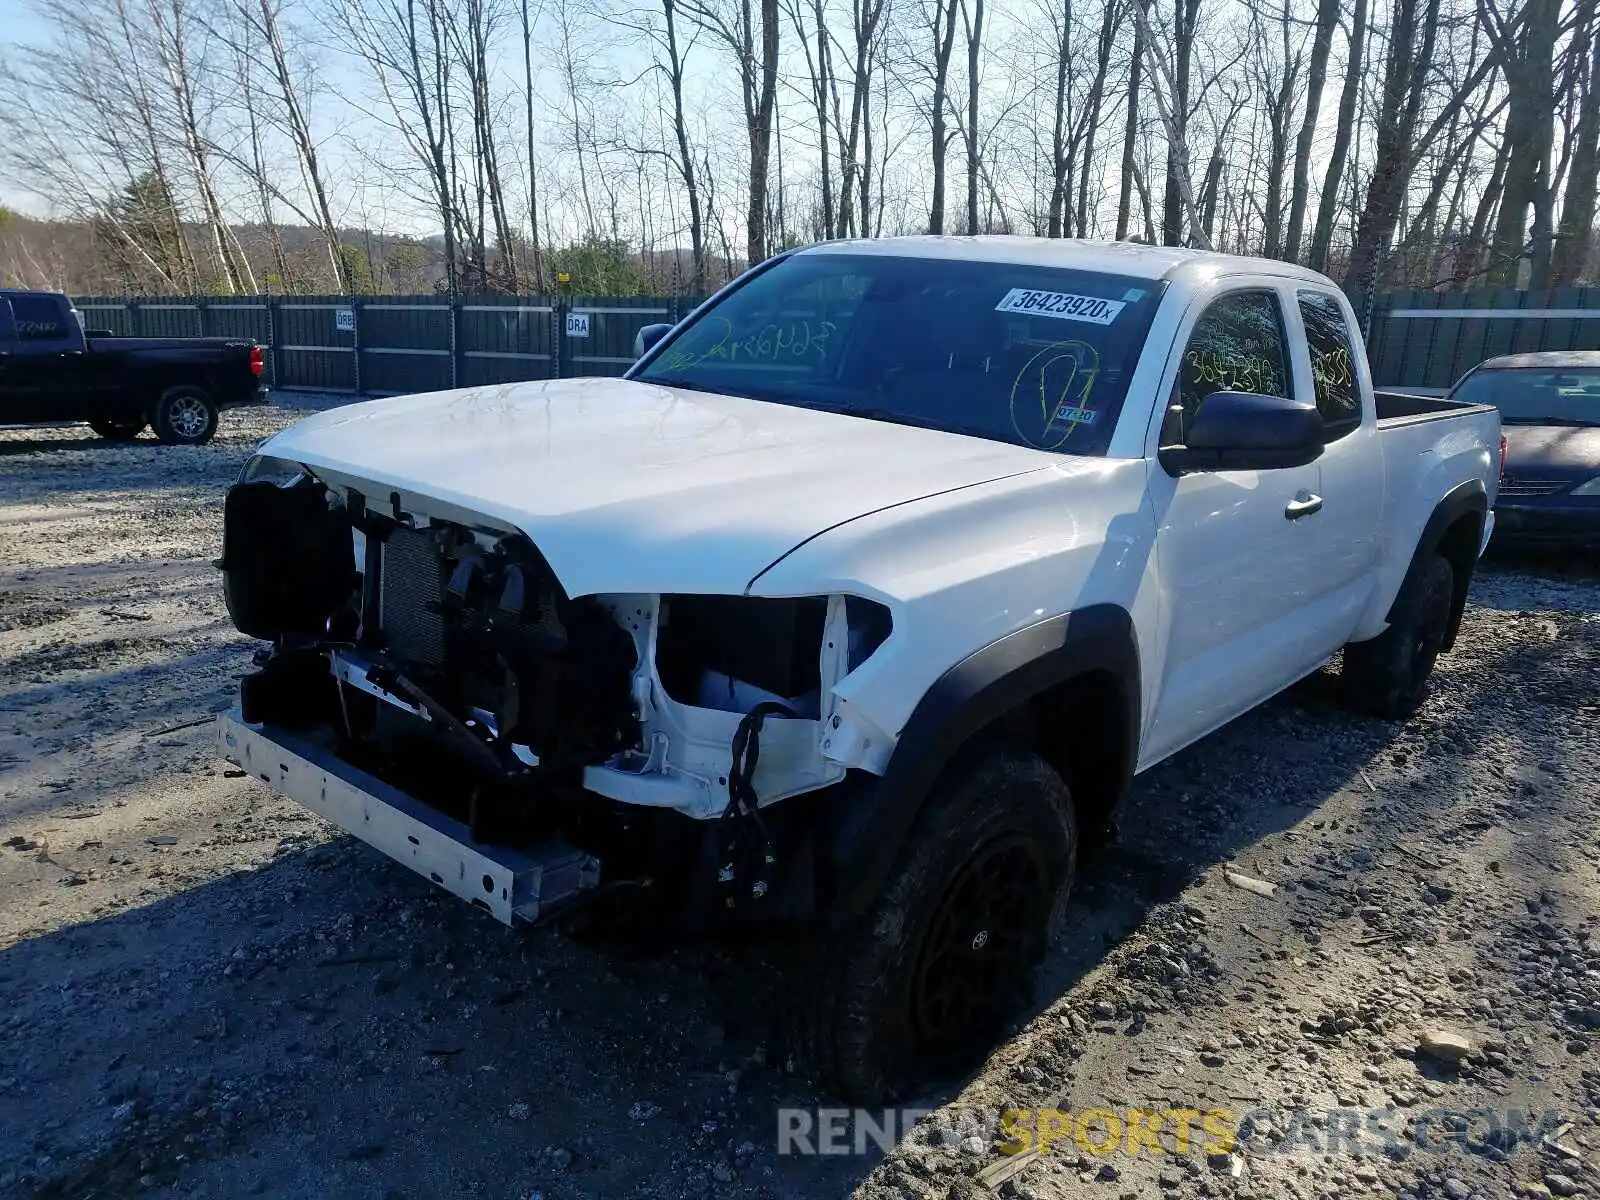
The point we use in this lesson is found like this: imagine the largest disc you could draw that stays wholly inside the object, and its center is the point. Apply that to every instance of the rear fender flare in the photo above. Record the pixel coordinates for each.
(968, 698)
(1468, 499)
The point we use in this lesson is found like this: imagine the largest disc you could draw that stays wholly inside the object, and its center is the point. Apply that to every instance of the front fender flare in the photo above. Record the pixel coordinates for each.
(968, 698)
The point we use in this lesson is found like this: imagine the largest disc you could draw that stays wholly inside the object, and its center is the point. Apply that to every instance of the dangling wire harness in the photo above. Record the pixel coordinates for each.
(746, 843)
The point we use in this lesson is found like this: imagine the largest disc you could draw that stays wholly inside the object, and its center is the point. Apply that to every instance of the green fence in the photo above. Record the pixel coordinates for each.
(382, 345)
(379, 345)
(1430, 339)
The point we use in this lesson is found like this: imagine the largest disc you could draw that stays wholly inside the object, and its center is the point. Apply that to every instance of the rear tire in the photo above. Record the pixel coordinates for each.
(117, 431)
(185, 416)
(1388, 675)
(918, 988)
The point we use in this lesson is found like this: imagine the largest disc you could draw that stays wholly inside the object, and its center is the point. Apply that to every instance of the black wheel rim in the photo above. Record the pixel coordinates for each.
(1429, 636)
(978, 947)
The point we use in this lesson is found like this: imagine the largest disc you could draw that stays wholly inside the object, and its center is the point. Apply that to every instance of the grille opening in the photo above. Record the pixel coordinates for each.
(1513, 485)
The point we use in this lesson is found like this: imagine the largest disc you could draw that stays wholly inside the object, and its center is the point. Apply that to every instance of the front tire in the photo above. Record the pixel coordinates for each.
(185, 416)
(918, 988)
(117, 431)
(1388, 675)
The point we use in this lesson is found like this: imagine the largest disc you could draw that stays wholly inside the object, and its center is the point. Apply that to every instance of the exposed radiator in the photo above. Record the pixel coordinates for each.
(411, 590)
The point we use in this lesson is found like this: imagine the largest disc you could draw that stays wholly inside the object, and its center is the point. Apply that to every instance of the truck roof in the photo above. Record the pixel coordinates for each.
(1114, 258)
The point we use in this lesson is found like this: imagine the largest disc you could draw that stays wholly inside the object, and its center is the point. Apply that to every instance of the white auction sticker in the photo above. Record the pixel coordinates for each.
(1062, 305)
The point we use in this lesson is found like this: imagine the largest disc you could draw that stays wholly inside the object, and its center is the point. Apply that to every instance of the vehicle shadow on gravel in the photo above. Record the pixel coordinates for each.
(330, 1025)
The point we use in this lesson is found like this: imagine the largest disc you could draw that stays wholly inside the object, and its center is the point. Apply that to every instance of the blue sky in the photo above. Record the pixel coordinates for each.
(18, 24)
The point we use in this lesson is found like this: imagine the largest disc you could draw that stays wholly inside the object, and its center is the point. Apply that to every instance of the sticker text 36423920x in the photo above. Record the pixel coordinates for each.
(1062, 305)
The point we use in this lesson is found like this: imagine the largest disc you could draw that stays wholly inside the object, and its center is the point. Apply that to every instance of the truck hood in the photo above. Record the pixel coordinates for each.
(633, 487)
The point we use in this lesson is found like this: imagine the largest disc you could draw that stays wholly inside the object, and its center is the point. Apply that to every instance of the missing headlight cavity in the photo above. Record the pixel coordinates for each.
(734, 652)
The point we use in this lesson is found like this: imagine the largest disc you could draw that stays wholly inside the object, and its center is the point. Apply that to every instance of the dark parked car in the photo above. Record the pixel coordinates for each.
(52, 372)
(1550, 412)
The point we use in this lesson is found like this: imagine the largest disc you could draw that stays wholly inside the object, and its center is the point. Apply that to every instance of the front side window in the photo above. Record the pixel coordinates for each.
(38, 318)
(1333, 367)
(1536, 396)
(1035, 356)
(1238, 345)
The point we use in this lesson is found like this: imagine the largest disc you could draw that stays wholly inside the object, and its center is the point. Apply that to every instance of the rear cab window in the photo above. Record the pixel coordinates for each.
(8, 332)
(1333, 367)
(1032, 355)
(40, 319)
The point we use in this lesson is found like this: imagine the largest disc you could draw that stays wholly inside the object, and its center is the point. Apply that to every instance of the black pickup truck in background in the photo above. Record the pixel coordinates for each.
(52, 372)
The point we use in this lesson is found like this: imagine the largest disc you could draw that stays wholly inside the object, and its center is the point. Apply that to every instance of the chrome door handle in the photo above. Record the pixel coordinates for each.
(1303, 505)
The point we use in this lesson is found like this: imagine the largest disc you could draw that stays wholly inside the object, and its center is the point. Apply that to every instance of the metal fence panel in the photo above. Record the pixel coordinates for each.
(387, 344)
(606, 345)
(505, 341)
(98, 313)
(172, 319)
(405, 344)
(1431, 339)
(312, 353)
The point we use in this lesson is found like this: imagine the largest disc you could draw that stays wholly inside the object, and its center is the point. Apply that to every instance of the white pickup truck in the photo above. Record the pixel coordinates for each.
(856, 604)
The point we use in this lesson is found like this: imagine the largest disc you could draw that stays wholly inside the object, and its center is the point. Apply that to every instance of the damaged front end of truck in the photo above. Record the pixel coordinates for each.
(432, 687)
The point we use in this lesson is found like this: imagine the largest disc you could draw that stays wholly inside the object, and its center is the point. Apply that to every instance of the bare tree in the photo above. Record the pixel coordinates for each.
(1524, 38)
(1401, 133)
(972, 20)
(529, 16)
(1130, 134)
(257, 39)
(1316, 73)
(940, 21)
(471, 38)
(1344, 133)
(1172, 98)
(404, 43)
(748, 30)
(1575, 237)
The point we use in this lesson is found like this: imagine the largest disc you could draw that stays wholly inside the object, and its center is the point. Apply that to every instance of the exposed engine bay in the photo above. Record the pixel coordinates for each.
(447, 659)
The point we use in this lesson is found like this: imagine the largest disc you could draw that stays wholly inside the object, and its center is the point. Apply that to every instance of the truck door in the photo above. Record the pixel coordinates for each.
(1351, 465)
(1238, 551)
(47, 369)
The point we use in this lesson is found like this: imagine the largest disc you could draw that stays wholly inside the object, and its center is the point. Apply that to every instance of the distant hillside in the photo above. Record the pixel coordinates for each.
(73, 256)
(77, 257)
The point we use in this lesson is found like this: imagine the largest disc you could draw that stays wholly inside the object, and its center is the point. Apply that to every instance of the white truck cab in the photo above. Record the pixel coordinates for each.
(858, 602)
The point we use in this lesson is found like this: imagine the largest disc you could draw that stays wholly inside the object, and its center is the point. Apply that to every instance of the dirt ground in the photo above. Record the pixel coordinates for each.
(204, 992)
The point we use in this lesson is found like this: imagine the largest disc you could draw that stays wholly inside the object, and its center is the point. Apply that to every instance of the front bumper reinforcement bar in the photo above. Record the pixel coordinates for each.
(513, 885)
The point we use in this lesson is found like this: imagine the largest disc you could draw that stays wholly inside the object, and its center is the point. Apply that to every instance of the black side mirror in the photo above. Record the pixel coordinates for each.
(647, 337)
(1242, 431)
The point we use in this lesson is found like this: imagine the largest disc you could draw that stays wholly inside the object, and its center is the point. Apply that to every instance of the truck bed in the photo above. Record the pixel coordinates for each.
(1407, 408)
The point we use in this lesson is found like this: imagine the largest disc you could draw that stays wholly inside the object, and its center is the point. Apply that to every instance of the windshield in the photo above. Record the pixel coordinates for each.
(1537, 396)
(1034, 356)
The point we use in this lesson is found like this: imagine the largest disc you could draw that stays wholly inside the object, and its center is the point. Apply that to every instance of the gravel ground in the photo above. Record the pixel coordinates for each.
(205, 992)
